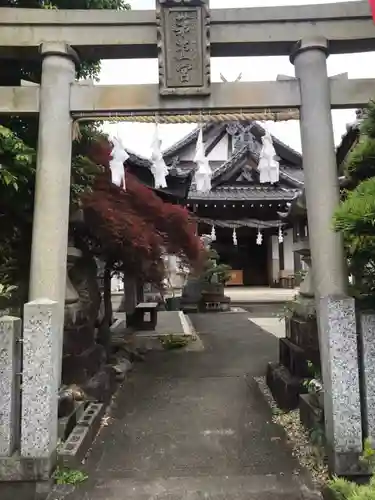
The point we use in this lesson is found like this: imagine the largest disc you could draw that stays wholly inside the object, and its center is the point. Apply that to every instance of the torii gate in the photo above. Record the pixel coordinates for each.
(306, 33)
(184, 34)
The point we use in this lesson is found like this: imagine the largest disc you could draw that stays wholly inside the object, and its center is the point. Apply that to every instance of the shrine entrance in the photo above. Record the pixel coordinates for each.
(248, 260)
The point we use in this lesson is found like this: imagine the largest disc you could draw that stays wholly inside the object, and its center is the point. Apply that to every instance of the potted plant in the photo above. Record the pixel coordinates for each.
(214, 278)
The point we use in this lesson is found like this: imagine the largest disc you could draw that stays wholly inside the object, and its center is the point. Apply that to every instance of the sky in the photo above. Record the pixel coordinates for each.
(138, 137)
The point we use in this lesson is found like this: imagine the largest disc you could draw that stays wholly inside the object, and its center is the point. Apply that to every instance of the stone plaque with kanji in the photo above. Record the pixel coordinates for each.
(184, 48)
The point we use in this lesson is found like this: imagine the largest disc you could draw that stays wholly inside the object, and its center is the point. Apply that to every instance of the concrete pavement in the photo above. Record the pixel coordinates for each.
(194, 425)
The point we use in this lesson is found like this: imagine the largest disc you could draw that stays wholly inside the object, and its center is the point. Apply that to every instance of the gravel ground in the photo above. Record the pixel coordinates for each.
(309, 455)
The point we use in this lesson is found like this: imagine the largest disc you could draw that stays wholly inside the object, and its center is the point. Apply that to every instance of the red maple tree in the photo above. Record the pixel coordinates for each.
(131, 228)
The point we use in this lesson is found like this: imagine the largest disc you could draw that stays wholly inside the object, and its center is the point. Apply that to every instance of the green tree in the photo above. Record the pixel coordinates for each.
(355, 217)
(18, 141)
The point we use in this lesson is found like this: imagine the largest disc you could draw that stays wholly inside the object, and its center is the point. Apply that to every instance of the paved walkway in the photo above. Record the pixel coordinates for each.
(193, 425)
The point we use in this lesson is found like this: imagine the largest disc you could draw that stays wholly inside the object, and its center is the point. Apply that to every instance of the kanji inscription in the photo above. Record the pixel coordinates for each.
(184, 56)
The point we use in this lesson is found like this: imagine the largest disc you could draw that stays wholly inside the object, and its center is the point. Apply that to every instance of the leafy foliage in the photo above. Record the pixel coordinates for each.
(130, 229)
(171, 342)
(213, 272)
(18, 142)
(368, 125)
(17, 180)
(69, 476)
(361, 161)
(342, 489)
(355, 217)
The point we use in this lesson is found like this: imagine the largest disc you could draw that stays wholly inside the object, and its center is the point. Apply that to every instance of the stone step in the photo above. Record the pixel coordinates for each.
(284, 386)
(269, 487)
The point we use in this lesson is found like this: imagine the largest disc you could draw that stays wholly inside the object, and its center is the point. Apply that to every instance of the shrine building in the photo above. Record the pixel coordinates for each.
(238, 207)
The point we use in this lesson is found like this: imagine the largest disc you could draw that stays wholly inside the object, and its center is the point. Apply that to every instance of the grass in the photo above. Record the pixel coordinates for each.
(69, 476)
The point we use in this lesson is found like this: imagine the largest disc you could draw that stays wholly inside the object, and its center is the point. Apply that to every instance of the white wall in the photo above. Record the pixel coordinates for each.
(288, 251)
(288, 254)
(117, 284)
(188, 153)
(220, 151)
(275, 258)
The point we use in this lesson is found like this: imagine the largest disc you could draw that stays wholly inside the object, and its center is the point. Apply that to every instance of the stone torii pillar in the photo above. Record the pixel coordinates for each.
(336, 312)
(52, 186)
(320, 171)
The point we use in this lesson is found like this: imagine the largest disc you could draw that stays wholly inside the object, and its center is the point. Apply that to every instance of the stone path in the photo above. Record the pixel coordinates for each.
(193, 425)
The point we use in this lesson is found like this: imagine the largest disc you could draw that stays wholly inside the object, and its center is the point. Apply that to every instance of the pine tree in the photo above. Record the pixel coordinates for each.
(355, 217)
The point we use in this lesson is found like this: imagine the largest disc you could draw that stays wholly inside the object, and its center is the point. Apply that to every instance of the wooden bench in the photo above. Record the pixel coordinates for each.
(137, 319)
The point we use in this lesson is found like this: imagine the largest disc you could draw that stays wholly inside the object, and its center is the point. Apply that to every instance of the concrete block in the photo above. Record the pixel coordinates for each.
(81, 438)
(10, 396)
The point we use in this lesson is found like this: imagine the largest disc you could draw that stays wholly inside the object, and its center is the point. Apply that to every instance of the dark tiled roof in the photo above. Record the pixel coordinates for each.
(280, 146)
(293, 175)
(348, 140)
(246, 193)
(228, 165)
(141, 161)
(138, 159)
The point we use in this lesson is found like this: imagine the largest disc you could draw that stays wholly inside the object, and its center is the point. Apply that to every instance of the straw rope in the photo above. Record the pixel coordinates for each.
(266, 115)
(281, 115)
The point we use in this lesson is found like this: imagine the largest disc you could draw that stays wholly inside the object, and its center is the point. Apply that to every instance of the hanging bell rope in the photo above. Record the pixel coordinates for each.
(193, 117)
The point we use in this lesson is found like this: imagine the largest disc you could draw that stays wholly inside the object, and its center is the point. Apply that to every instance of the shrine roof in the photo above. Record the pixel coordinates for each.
(292, 176)
(239, 169)
(246, 193)
(348, 141)
(218, 129)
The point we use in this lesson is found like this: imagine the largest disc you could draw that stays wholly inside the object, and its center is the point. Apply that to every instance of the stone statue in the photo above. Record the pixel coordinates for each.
(192, 290)
(84, 361)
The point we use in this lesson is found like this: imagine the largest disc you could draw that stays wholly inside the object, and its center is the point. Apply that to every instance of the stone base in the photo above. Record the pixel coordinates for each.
(214, 303)
(347, 464)
(294, 358)
(25, 490)
(21, 469)
(303, 332)
(285, 388)
(311, 416)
